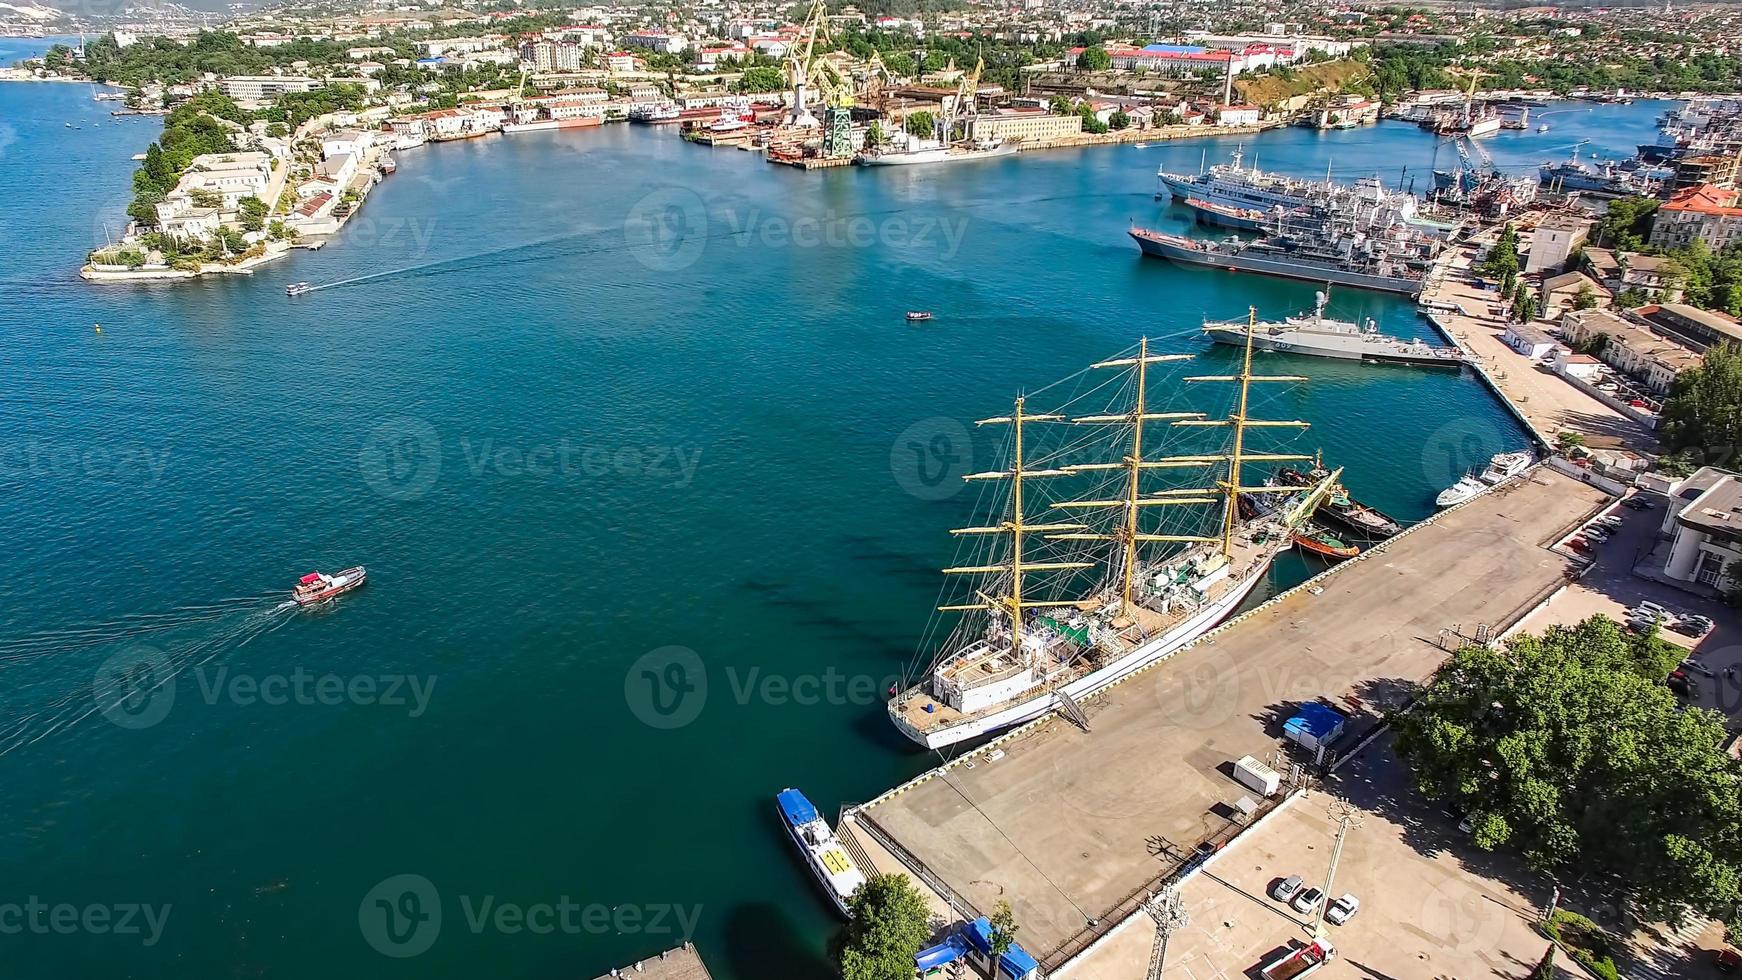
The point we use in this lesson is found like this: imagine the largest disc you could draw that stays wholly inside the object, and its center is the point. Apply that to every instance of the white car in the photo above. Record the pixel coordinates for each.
(1342, 910)
(1308, 901)
(1286, 888)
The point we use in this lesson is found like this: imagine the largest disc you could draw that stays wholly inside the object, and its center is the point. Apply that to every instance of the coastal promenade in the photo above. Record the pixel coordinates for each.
(1475, 319)
(1072, 826)
(680, 963)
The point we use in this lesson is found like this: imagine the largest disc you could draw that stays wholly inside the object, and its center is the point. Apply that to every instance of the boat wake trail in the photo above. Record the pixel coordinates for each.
(56, 680)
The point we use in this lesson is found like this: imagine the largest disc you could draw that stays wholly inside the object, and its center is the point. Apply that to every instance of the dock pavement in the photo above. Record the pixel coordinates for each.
(1071, 827)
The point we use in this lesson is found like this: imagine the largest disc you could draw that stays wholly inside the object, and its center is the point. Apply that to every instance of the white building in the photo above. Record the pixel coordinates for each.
(255, 88)
(1553, 242)
(656, 41)
(1704, 525)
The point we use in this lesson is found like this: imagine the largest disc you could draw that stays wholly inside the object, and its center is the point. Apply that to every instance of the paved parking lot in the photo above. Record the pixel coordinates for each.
(1611, 587)
(1432, 905)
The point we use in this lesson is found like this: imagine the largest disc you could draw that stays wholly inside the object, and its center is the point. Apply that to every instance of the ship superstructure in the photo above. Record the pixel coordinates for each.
(1075, 590)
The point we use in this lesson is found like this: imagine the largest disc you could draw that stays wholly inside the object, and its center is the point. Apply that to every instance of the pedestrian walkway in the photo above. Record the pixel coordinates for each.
(1672, 955)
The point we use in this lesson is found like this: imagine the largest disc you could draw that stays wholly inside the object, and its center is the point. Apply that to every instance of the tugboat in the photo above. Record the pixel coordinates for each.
(297, 288)
(1322, 542)
(914, 316)
(316, 587)
(1341, 507)
(822, 851)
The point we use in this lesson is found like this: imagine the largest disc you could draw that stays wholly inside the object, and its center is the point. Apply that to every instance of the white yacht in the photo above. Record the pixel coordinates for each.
(1467, 487)
(1505, 466)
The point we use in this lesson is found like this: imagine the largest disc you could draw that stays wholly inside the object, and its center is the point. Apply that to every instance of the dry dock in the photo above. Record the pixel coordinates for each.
(1069, 826)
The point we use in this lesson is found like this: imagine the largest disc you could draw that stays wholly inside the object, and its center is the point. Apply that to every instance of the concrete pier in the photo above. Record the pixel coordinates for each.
(680, 963)
(1071, 827)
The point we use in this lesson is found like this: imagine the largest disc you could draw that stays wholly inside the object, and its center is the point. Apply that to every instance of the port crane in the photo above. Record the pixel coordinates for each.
(802, 69)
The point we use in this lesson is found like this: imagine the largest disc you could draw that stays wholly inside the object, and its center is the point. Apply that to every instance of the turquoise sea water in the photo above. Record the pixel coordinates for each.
(596, 395)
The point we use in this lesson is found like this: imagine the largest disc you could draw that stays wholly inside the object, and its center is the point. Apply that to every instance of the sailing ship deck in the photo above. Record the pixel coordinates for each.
(1068, 823)
(1149, 623)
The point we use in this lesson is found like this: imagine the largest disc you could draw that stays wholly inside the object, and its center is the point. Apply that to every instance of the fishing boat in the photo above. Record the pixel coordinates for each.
(317, 587)
(1322, 542)
(1034, 641)
(917, 315)
(298, 288)
(821, 849)
(1339, 506)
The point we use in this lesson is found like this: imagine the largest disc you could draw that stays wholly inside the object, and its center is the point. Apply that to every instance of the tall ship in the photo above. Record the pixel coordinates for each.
(1361, 264)
(1066, 595)
(1322, 336)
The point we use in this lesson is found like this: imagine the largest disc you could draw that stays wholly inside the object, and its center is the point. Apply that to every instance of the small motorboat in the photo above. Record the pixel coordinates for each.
(297, 288)
(316, 587)
(1543, 128)
(914, 316)
(1321, 542)
(1467, 488)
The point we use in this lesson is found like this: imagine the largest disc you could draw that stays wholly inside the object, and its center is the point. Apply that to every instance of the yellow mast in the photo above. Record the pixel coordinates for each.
(1237, 456)
(1017, 527)
(1231, 513)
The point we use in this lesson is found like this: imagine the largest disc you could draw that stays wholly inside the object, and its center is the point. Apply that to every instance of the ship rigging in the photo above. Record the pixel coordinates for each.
(1071, 603)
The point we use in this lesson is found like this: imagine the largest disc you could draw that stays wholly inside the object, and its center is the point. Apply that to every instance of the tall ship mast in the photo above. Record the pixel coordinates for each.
(1064, 605)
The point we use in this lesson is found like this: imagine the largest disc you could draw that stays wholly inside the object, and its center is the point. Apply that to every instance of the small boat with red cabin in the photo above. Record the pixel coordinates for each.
(316, 587)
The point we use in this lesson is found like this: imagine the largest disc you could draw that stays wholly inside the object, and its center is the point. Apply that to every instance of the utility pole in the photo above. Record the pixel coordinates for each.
(1346, 815)
(1170, 917)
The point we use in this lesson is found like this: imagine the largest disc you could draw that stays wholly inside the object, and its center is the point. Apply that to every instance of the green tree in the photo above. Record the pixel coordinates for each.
(888, 923)
(874, 134)
(1059, 105)
(253, 213)
(1545, 969)
(1003, 923)
(1095, 58)
(1524, 308)
(1585, 298)
(1119, 120)
(921, 123)
(1568, 748)
(762, 78)
(1626, 225)
(1704, 408)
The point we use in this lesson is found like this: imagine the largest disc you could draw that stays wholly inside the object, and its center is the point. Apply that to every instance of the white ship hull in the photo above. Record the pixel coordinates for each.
(1091, 683)
(937, 155)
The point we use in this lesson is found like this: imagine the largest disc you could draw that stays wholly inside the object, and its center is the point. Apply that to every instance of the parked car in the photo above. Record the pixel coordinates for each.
(1612, 522)
(1692, 625)
(1308, 901)
(1596, 533)
(1284, 890)
(1342, 910)
(1638, 503)
(1727, 960)
(1579, 544)
(1697, 667)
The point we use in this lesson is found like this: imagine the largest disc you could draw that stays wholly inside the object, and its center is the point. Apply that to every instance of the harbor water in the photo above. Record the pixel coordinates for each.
(578, 399)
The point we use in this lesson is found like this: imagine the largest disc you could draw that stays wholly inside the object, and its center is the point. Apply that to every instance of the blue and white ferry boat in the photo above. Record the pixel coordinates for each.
(822, 851)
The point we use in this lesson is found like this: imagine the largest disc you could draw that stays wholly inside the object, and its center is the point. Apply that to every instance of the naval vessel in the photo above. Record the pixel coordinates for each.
(1322, 336)
(1364, 267)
